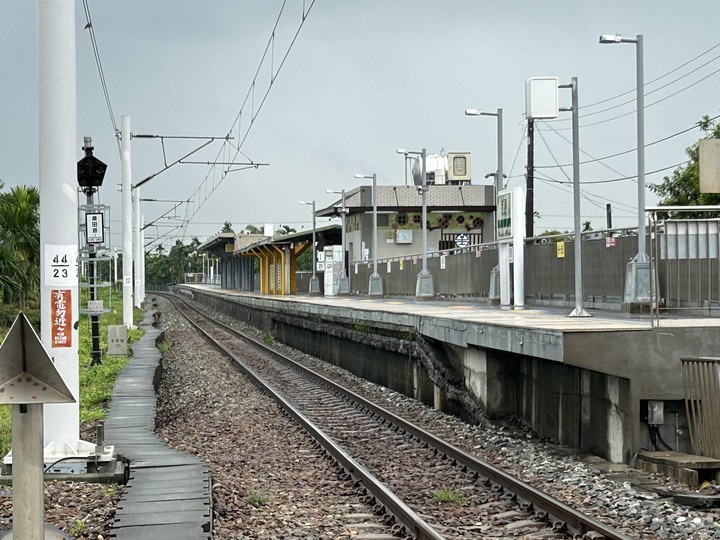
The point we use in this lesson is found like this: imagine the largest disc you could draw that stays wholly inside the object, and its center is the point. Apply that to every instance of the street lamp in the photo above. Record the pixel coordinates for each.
(343, 282)
(424, 287)
(503, 255)
(499, 115)
(375, 287)
(637, 284)
(314, 281)
(404, 153)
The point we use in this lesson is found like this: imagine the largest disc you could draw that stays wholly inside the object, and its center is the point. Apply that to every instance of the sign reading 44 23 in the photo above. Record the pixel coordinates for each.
(61, 264)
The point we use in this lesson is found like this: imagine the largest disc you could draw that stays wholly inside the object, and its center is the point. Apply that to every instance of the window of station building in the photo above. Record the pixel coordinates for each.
(383, 220)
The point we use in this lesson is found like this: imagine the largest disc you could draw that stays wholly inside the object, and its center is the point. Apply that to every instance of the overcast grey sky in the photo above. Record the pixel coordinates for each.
(362, 79)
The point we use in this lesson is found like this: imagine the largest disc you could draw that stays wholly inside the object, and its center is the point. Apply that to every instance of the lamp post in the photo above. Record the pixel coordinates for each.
(343, 282)
(424, 287)
(637, 284)
(314, 281)
(375, 287)
(404, 153)
(499, 175)
(503, 268)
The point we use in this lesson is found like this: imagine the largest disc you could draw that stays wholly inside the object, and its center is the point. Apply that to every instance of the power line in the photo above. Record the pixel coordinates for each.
(647, 106)
(561, 185)
(678, 68)
(103, 82)
(694, 126)
(593, 159)
(611, 180)
(653, 91)
(249, 100)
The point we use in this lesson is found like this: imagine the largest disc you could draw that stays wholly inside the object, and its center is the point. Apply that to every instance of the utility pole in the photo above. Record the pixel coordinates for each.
(127, 253)
(530, 181)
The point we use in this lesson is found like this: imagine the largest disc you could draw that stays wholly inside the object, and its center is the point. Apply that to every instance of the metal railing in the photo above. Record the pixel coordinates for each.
(701, 383)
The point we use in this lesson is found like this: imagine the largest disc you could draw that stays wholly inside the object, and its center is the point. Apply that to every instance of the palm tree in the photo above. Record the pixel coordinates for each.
(20, 229)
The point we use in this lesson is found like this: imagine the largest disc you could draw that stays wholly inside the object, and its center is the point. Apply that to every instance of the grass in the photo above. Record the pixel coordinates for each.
(258, 497)
(96, 382)
(78, 527)
(449, 496)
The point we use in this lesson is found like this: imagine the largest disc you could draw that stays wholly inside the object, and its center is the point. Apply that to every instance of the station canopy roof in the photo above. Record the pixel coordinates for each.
(245, 243)
(440, 198)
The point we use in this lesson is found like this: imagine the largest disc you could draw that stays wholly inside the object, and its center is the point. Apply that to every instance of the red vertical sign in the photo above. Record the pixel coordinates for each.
(61, 316)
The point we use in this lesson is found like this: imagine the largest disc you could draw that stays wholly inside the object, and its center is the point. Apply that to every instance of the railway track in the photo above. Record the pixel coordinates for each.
(428, 487)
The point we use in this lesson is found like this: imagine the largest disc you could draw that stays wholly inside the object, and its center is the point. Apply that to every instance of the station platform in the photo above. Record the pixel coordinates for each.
(168, 494)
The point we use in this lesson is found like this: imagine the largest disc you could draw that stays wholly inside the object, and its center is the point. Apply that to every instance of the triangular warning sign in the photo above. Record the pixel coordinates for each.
(27, 374)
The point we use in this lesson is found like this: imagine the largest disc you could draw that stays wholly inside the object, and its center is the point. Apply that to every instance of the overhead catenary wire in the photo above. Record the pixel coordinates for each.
(249, 100)
(103, 82)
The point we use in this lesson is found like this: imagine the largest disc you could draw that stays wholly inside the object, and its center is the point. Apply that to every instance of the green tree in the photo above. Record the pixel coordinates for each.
(284, 229)
(252, 229)
(227, 227)
(20, 229)
(682, 188)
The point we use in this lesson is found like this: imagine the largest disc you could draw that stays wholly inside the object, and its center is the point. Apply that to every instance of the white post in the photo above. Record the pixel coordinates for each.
(142, 259)
(28, 494)
(518, 232)
(127, 223)
(58, 150)
(137, 247)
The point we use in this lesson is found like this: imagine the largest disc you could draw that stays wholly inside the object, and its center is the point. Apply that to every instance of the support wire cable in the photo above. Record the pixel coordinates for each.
(648, 105)
(103, 82)
(694, 126)
(202, 192)
(648, 83)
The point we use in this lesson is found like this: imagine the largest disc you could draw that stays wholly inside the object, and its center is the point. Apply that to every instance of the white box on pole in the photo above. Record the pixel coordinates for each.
(541, 97)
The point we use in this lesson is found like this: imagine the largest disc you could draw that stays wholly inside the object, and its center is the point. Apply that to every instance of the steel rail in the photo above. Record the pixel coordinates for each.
(406, 517)
(574, 520)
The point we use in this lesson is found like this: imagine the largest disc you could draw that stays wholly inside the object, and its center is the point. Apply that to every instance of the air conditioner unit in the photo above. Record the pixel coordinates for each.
(458, 167)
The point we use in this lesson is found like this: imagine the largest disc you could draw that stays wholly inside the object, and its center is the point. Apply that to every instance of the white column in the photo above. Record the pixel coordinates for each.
(518, 232)
(58, 151)
(127, 223)
(28, 494)
(142, 258)
(137, 295)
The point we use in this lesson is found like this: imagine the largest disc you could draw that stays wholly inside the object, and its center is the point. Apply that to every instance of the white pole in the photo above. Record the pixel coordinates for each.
(136, 251)
(28, 494)
(142, 258)
(127, 223)
(518, 232)
(58, 150)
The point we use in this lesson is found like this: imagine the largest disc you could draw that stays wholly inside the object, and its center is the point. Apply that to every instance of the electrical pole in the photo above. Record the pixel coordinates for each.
(127, 254)
(530, 181)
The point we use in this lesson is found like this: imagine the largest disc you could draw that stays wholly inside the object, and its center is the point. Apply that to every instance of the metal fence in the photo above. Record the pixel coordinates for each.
(549, 270)
(701, 382)
(685, 265)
